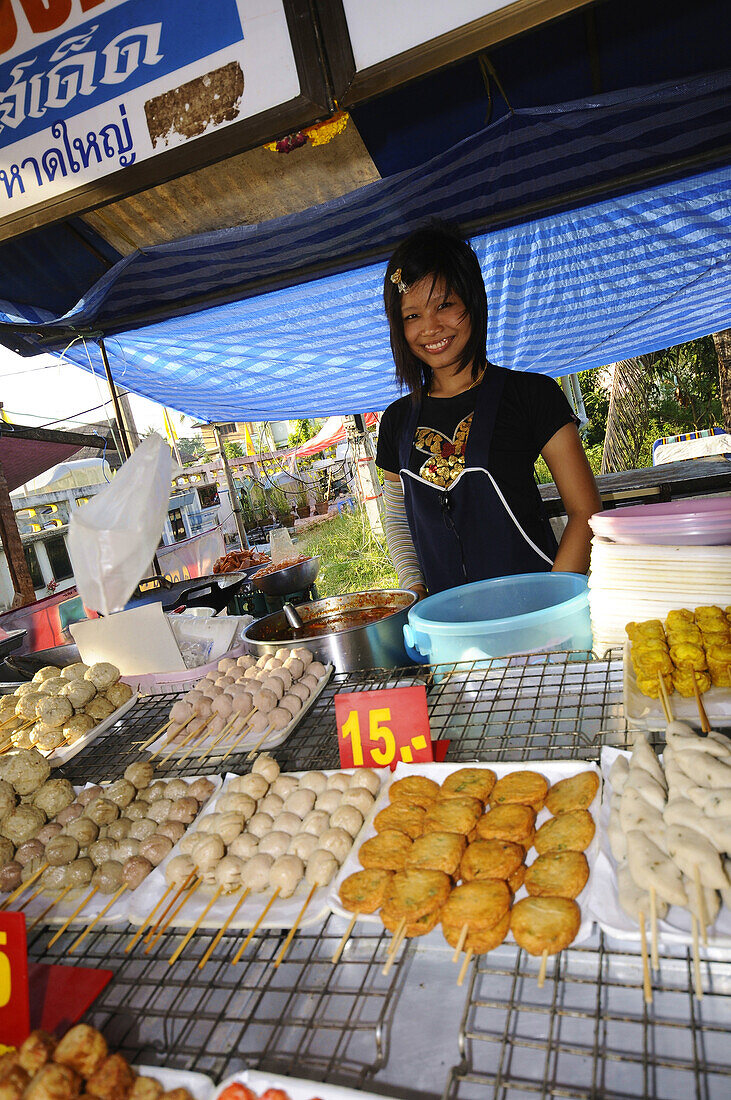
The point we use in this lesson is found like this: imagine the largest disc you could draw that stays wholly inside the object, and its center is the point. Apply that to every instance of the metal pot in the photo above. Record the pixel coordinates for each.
(341, 639)
(292, 579)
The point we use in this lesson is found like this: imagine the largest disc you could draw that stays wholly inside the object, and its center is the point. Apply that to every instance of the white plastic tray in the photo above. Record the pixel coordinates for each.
(68, 752)
(553, 770)
(640, 710)
(198, 1085)
(282, 914)
(297, 1088)
(118, 911)
(603, 892)
(275, 738)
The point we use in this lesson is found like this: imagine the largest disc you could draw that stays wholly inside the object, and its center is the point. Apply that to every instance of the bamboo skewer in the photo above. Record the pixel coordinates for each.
(701, 899)
(242, 736)
(168, 739)
(48, 908)
(181, 905)
(344, 939)
(696, 960)
(147, 921)
(396, 942)
(465, 965)
(28, 900)
(653, 929)
(195, 926)
(542, 970)
(223, 928)
(705, 724)
(460, 942)
(285, 946)
(73, 916)
(23, 887)
(228, 727)
(158, 733)
(183, 886)
(193, 739)
(663, 697)
(254, 927)
(395, 937)
(77, 942)
(646, 980)
(252, 753)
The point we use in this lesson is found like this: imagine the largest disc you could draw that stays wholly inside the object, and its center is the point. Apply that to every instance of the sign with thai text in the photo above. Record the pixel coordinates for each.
(90, 87)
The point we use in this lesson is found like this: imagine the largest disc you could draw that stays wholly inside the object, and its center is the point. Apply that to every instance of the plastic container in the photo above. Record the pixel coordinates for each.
(693, 522)
(528, 613)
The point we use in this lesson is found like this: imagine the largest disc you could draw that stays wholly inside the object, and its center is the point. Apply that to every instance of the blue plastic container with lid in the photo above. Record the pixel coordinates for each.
(528, 613)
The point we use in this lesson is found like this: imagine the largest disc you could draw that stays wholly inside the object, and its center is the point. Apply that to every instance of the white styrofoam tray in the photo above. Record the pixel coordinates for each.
(275, 738)
(553, 770)
(118, 911)
(57, 757)
(640, 710)
(604, 897)
(282, 914)
(296, 1088)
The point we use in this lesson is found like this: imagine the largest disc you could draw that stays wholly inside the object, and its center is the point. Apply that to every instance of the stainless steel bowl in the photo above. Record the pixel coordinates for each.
(292, 579)
(378, 644)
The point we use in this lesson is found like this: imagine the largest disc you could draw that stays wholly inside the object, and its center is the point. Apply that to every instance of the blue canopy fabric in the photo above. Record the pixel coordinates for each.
(567, 291)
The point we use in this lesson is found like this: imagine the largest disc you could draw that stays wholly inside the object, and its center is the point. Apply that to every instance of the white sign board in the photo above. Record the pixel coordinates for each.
(89, 87)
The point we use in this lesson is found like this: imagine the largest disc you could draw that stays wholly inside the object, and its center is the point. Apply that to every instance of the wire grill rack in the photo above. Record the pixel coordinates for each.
(549, 704)
(307, 1018)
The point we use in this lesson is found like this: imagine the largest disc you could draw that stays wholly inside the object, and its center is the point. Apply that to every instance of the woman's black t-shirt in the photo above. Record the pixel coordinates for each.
(532, 409)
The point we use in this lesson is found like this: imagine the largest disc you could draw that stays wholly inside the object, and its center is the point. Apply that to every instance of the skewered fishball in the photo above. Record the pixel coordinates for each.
(310, 682)
(26, 705)
(322, 866)
(32, 849)
(358, 797)
(99, 708)
(283, 785)
(338, 782)
(22, 739)
(30, 868)
(314, 781)
(101, 851)
(228, 873)
(300, 692)
(183, 809)
(54, 710)
(54, 685)
(267, 766)
(347, 817)
(176, 788)
(62, 850)
(303, 654)
(53, 879)
(156, 847)
(260, 824)
(275, 843)
(121, 792)
(208, 851)
(10, 876)
(246, 661)
(300, 802)
(78, 692)
(336, 841)
(224, 682)
(229, 827)
(244, 846)
(283, 653)
(135, 870)
(159, 810)
(287, 822)
(254, 785)
(238, 803)
(137, 810)
(223, 706)
(328, 801)
(188, 843)
(303, 845)
(271, 804)
(226, 664)
(286, 873)
(102, 675)
(125, 849)
(316, 822)
(119, 694)
(172, 829)
(209, 824)
(253, 672)
(47, 740)
(259, 722)
(143, 829)
(366, 777)
(119, 829)
(108, 876)
(274, 685)
(255, 875)
(44, 834)
(317, 669)
(178, 870)
(76, 671)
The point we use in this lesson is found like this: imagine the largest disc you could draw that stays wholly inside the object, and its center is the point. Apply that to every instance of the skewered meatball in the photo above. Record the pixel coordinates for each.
(32, 849)
(315, 668)
(159, 810)
(271, 804)
(286, 873)
(288, 823)
(118, 694)
(7, 799)
(275, 843)
(78, 692)
(348, 818)
(284, 675)
(102, 675)
(30, 868)
(264, 701)
(172, 829)
(183, 809)
(52, 686)
(102, 811)
(83, 830)
(255, 875)
(238, 803)
(283, 785)
(135, 870)
(83, 1048)
(7, 849)
(224, 682)
(314, 781)
(252, 673)
(99, 709)
(229, 827)
(254, 785)
(156, 790)
(27, 771)
(295, 666)
(328, 801)
(101, 851)
(176, 788)
(54, 1082)
(310, 682)
(178, 870)
(283, 653)
(260, 824)
(10, 876)
(89, 794)
(208, 851)
(155, 848)
(22, 738)
(119, 829)
(244, 846)
(338, 842)
(359, 797)
(303, 845)
(140, 775)
(303, 654)
(279, 718)
(290, 703)
(322, 867)
(79, 873)
(22, 824)
(77, 671)
(121, 792)
(54, 710)
(246, 661)
(301, 692)
(223, 706)
(126, 849)
(299, 802)
(107, 878)
(114, 1078)
(47, 740)
(226, 664)
(71, 813)
(316, 822)
(181, 712)
(267, 766)
(44, 834)
(26, 705)
(54, 796)
(53, 879)
(62, 850)
(201, 789)
(137, 810)
(228, 873)
(274, 685)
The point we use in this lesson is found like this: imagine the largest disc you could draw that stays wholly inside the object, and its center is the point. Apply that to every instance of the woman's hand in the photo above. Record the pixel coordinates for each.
(565, 458)
(420, 590)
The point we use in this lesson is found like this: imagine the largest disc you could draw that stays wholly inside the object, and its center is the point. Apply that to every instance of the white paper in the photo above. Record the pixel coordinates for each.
(553, 770)
(136, 641)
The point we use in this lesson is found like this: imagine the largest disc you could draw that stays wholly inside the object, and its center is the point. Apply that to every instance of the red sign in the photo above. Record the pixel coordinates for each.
(14, 1001)
(380, 729)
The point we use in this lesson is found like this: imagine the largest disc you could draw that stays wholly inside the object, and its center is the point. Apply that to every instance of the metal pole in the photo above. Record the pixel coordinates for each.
(232, 493)
(127, 450)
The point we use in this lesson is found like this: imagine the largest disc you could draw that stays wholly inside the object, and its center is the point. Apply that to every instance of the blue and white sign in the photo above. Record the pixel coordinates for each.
(91, 86)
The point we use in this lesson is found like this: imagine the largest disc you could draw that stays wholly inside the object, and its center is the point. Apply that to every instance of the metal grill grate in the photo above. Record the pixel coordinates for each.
(588, 1033)
(306, 1018)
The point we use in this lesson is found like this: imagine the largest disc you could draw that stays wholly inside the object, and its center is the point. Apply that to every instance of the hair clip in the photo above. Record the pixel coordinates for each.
(398, 281)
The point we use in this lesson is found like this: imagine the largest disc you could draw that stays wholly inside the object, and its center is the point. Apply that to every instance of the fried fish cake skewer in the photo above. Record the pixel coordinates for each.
(512, 821)
(415, 790)
(361, 892)
(573, 832)
(525, 787)
(475, 782)
(386, 851)
(491, 859)
(437, 852)
(453, 815)
(403, 817)
(575, 793)
(557, 874)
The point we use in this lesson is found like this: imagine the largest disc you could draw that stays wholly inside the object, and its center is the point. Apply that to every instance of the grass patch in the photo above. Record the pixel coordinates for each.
(353, 560)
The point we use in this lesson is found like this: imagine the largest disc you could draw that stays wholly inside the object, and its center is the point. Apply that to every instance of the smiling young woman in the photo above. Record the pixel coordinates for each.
(458, 451)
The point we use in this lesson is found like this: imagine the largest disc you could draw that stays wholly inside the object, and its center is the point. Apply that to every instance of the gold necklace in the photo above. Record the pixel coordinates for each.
(468, 388)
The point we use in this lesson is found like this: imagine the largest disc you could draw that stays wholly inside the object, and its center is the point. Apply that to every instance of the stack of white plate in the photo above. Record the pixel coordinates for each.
(633, 583)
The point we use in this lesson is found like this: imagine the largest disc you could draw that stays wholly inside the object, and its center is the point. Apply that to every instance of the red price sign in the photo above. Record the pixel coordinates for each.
(14, 1001)
(379, 729)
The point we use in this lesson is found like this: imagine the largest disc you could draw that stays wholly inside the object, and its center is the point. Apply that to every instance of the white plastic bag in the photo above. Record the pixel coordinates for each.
(113, 538)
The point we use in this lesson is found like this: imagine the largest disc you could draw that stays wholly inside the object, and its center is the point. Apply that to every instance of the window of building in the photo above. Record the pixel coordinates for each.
(33, 567)
(59, 558)
(208, 496)
(177, 525)
(226, 429)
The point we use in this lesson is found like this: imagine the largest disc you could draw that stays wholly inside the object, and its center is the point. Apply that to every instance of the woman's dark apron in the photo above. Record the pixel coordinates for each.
(468, 531)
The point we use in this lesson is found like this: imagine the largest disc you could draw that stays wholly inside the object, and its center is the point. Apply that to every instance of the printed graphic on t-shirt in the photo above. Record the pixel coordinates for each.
(446, 456)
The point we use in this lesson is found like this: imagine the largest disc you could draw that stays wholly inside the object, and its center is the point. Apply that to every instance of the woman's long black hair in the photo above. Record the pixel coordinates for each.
(438, 250)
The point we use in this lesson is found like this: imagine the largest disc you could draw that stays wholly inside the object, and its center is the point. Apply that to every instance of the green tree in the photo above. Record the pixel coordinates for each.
(191, 450)
(233, 450)
(302, 431)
